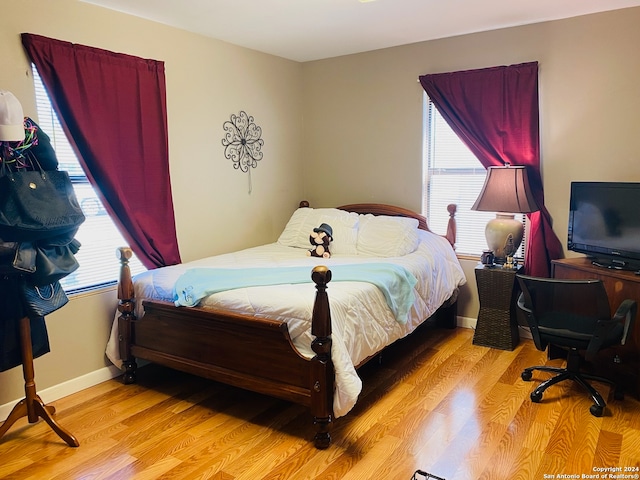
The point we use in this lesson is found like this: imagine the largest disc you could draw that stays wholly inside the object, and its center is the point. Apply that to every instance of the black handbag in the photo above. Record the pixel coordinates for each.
(36, 204)
(24, 259)
(43, 300)
(54, 262)
(40, 263)
(8, 254)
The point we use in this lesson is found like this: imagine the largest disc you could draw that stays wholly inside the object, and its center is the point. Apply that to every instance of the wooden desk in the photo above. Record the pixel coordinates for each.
(623, 362)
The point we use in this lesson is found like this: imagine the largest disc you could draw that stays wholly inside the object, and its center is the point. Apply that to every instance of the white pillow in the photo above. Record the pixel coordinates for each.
(387, 236)
(343, 224)
(292, 235)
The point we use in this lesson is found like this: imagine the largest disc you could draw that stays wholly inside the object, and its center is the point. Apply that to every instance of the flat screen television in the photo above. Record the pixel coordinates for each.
(604, 223)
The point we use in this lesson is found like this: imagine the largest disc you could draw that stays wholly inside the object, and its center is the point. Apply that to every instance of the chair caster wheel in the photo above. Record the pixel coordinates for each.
(536, 397)
(596, 410)
(526, 375)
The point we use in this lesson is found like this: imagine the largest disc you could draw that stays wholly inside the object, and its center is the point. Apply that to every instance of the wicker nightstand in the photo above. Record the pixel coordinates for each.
(498, 291)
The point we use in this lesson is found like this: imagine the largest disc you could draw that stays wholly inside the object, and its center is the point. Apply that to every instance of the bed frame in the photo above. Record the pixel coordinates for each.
(247, 352)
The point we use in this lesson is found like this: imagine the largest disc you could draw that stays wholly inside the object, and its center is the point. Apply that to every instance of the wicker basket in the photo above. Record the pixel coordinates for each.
(497, 326)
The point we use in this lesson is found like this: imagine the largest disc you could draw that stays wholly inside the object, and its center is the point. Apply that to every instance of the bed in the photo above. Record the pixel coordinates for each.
(280, 330)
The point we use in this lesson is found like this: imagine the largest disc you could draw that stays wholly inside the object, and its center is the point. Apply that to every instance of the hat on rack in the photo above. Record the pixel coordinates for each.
(11, 118)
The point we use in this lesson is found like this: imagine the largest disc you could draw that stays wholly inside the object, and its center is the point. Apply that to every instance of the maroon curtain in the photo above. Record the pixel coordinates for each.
(113, 109)
(494, 111)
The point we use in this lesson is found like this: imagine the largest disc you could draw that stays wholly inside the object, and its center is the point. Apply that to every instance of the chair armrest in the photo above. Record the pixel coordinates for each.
(627, 311)
(533, 325)
(521, 304)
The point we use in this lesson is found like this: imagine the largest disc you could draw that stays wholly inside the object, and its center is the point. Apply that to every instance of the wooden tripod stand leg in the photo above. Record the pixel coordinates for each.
(32, 405)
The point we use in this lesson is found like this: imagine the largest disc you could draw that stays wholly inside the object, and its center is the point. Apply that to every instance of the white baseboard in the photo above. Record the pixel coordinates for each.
(524, 332)
(467, 322)
(64, 389)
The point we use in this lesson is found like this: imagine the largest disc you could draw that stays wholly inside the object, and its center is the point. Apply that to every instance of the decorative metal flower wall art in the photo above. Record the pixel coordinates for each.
(242, 142)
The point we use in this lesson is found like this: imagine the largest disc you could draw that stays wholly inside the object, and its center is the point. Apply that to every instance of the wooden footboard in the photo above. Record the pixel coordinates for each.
(244, 351)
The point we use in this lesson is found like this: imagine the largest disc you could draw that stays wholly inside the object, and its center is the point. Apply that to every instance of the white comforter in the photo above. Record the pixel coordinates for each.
(362, 323)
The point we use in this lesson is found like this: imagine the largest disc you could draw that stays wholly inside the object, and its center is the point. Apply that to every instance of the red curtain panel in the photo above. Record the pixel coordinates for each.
(112, 107)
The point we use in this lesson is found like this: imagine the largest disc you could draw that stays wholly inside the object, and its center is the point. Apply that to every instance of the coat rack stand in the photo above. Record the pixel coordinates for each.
(32, 405)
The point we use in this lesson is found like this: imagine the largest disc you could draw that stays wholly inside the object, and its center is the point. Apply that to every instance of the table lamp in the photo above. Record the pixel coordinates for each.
(506, 191)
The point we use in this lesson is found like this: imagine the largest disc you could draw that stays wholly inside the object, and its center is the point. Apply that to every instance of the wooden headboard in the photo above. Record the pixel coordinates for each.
(392, 210)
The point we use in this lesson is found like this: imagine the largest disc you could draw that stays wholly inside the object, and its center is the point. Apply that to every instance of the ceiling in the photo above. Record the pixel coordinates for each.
(305, 30)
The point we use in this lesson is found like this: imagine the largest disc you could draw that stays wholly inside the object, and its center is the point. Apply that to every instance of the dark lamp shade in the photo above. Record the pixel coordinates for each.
(506, 189)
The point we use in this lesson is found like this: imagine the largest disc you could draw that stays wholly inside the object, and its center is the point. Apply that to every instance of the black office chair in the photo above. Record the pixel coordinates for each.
(573, 315)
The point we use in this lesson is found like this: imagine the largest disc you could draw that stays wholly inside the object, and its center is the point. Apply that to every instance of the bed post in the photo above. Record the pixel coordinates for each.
(452, 208)
(127, 316)
(322, 373)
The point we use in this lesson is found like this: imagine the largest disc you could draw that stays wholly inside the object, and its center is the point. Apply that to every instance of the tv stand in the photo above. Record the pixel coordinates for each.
(622, 363)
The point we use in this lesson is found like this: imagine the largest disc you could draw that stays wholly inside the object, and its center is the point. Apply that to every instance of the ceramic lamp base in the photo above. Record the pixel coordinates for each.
(504, 235)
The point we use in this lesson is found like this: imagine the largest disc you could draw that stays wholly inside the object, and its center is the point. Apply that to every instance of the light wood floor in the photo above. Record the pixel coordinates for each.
(435, 403)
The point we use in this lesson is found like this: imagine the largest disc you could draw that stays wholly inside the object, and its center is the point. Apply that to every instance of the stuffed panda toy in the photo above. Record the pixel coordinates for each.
(320, 239)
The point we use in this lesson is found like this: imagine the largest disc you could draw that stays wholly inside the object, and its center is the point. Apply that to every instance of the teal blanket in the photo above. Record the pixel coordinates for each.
(395, 282)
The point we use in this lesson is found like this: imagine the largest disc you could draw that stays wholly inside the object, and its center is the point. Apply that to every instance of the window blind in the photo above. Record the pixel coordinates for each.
(452, 174)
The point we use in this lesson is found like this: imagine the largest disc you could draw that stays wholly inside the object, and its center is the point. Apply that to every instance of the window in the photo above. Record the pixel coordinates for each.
(452, 174)
(98, 234)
